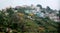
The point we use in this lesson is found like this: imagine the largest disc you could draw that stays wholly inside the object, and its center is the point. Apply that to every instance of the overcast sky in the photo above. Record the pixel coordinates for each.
(53, 4)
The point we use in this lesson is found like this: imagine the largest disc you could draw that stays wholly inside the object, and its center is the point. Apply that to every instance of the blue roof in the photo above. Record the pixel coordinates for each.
(40, 14)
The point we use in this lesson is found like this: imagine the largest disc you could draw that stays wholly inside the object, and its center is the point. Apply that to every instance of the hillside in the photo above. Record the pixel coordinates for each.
(18, 20)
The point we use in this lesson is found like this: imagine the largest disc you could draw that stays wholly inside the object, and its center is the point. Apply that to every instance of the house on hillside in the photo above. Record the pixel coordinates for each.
(36, 11)
(54, 17)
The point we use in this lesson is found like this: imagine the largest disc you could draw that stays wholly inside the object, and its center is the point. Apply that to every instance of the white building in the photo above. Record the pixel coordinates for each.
(35, 10)
(54, 17)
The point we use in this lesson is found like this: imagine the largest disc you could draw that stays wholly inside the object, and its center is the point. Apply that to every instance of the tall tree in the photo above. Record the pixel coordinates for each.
(59, 14)
(48, 8)
(38, 5)
(10, 11)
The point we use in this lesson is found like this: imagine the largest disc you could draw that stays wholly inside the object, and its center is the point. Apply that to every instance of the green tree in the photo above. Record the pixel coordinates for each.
(10, 11)
(58, 14)
(38, 5)
(48, 8)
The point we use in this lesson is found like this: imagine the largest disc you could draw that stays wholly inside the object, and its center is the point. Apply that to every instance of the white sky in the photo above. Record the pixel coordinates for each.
(53, 4)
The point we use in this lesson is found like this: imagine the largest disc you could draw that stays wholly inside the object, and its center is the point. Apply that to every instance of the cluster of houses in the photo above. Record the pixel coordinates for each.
(36, 10)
